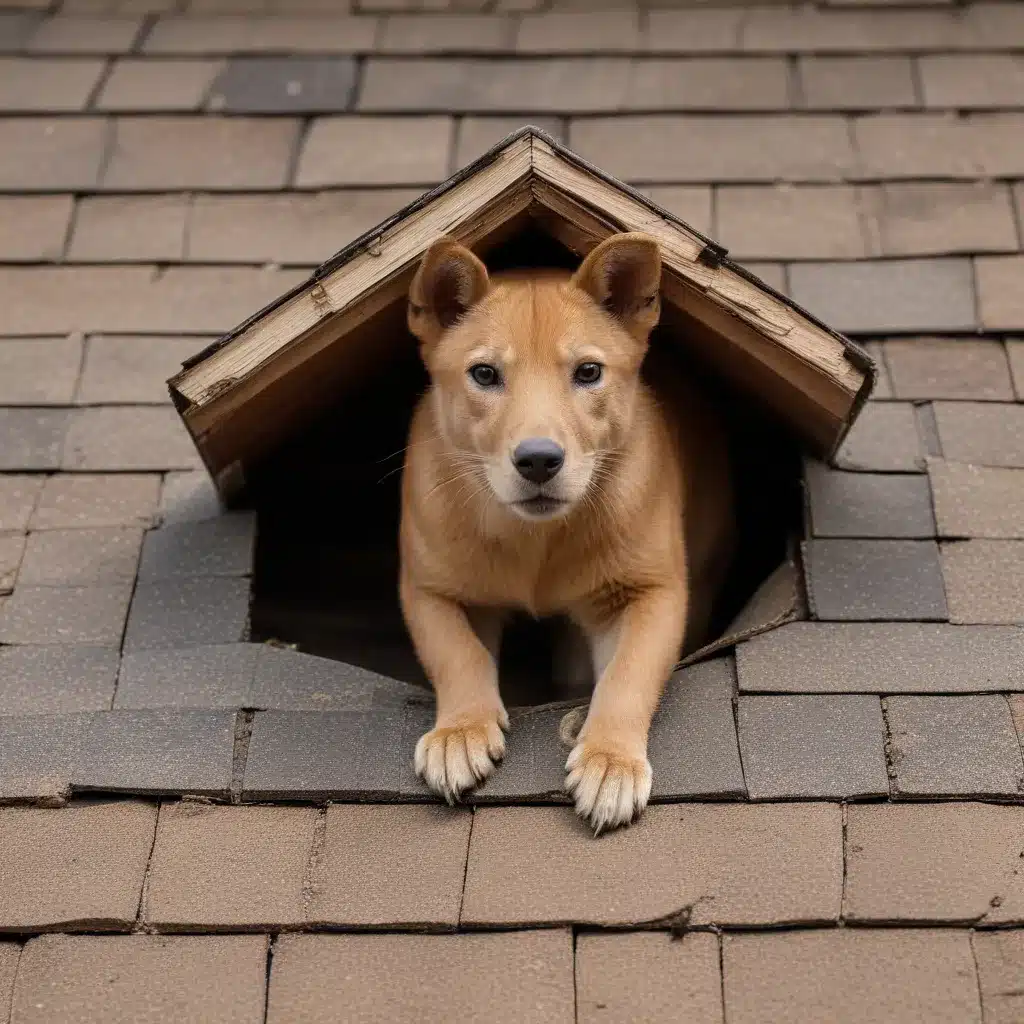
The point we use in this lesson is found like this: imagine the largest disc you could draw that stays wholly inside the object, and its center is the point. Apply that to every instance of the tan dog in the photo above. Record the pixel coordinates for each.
(543, 475)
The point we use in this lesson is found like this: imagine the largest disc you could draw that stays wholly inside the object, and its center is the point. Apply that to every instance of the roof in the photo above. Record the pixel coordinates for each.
(867, 163)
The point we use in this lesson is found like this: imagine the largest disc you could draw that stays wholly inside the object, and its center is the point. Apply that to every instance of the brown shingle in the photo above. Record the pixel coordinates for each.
(86, 500)
(33, 227)
(579, 32)
(80, 865)
(134, 85)
(848, 975)
(12, 549)
(79, 558)
(289, 228)
(112, 229)
(678, 149)
(946, 368)
(989, 80)
(445, 33)
(1015, 351)
(856, 83)
(648, 976)
(983, 433)
(939, 146)
(243, 33)
(745, 864)
(388, 865)
(810, 222)
(39, 371)
(504, 978)
(476, 135)
(977, 501)
(375, 151)
(131, 370)
(984, 580)
(54, 85)
(229, 867)
(85, 35)
(1000, 296)
(200, 152)
(455, 84)
(131, 979)
(128, 438)
(18, 496)
(934, 862)
(1000, 959)
(693, 31)
(42, 154)
(950, 217)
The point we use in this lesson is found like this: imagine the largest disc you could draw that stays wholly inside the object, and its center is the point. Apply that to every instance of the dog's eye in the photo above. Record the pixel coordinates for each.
(485, 375)
(587, 373)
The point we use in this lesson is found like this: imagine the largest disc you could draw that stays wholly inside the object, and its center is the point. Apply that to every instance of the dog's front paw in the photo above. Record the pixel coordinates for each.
(610, 786)
(454, 758)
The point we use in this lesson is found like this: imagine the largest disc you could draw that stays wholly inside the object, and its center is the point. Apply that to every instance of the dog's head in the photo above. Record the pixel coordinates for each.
(535, 376)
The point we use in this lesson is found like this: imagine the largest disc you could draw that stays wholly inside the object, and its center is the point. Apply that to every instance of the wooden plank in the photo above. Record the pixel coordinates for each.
(351, 283)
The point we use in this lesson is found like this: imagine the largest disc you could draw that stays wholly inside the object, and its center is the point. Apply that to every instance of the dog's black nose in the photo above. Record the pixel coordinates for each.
(538, 459)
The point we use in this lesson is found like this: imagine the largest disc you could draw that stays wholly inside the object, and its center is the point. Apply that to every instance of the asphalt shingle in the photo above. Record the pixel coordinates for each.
(934, 862)
(984, 580)
(32, 439)
(884, 438)
(872, 580)
(882, 657)
(948, 368)
(282, 85)
(953, 746)
(96, 501)
(541, 864)
(157, 752)
(981, 432)
(186, 612)
(90, 615)
(38, 754)
(867, 505)
(817, 747)
(223, 546)
(977, 501)
(213, 676)
(79, 866)
(56, 679)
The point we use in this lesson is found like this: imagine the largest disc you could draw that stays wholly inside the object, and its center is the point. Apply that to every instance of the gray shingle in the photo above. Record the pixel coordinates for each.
(216, 547)
(66, 615)
(692, 746)
(56, 679)
(867, 504)
(157, 752)
(283, 85)
(32, 438)
(815, 747)
(882, 657)
(309, 755)
(883, 439)
(38, 755)
(894, 295)
(188, 612)
(874, 580)
(213, 676)
(534, 763)
(954, 746)
(294, 681)
(188, 497)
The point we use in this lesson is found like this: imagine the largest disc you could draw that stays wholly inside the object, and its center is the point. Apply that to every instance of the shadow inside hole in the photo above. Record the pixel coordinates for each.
(328, 504)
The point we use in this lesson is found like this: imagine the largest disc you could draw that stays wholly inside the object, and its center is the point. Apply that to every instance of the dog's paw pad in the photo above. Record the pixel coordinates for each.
(454, 759)
(609, 788)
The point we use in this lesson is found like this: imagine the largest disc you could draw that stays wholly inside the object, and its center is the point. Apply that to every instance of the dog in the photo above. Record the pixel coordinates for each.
(542, 474)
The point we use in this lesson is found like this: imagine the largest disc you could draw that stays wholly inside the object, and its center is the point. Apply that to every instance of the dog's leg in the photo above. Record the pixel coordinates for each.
(609, 776)
(467, 739)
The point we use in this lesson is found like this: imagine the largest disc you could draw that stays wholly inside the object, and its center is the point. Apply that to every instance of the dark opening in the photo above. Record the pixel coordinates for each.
(328, 510)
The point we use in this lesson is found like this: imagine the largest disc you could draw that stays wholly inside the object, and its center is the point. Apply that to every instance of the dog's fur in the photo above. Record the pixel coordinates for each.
(631, 538)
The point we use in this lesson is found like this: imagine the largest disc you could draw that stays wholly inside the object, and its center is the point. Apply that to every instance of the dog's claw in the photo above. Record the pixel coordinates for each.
(609, 788)
(454, 759)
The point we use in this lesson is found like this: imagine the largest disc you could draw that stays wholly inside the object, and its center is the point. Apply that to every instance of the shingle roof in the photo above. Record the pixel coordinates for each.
(168, 167)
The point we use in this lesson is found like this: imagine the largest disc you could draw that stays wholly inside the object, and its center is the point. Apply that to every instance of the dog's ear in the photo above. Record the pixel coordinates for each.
(622, 275)
(450, 280)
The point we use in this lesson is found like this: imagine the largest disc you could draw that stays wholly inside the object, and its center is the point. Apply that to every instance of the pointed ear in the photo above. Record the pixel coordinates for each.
(622, 275)
(450, 280)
